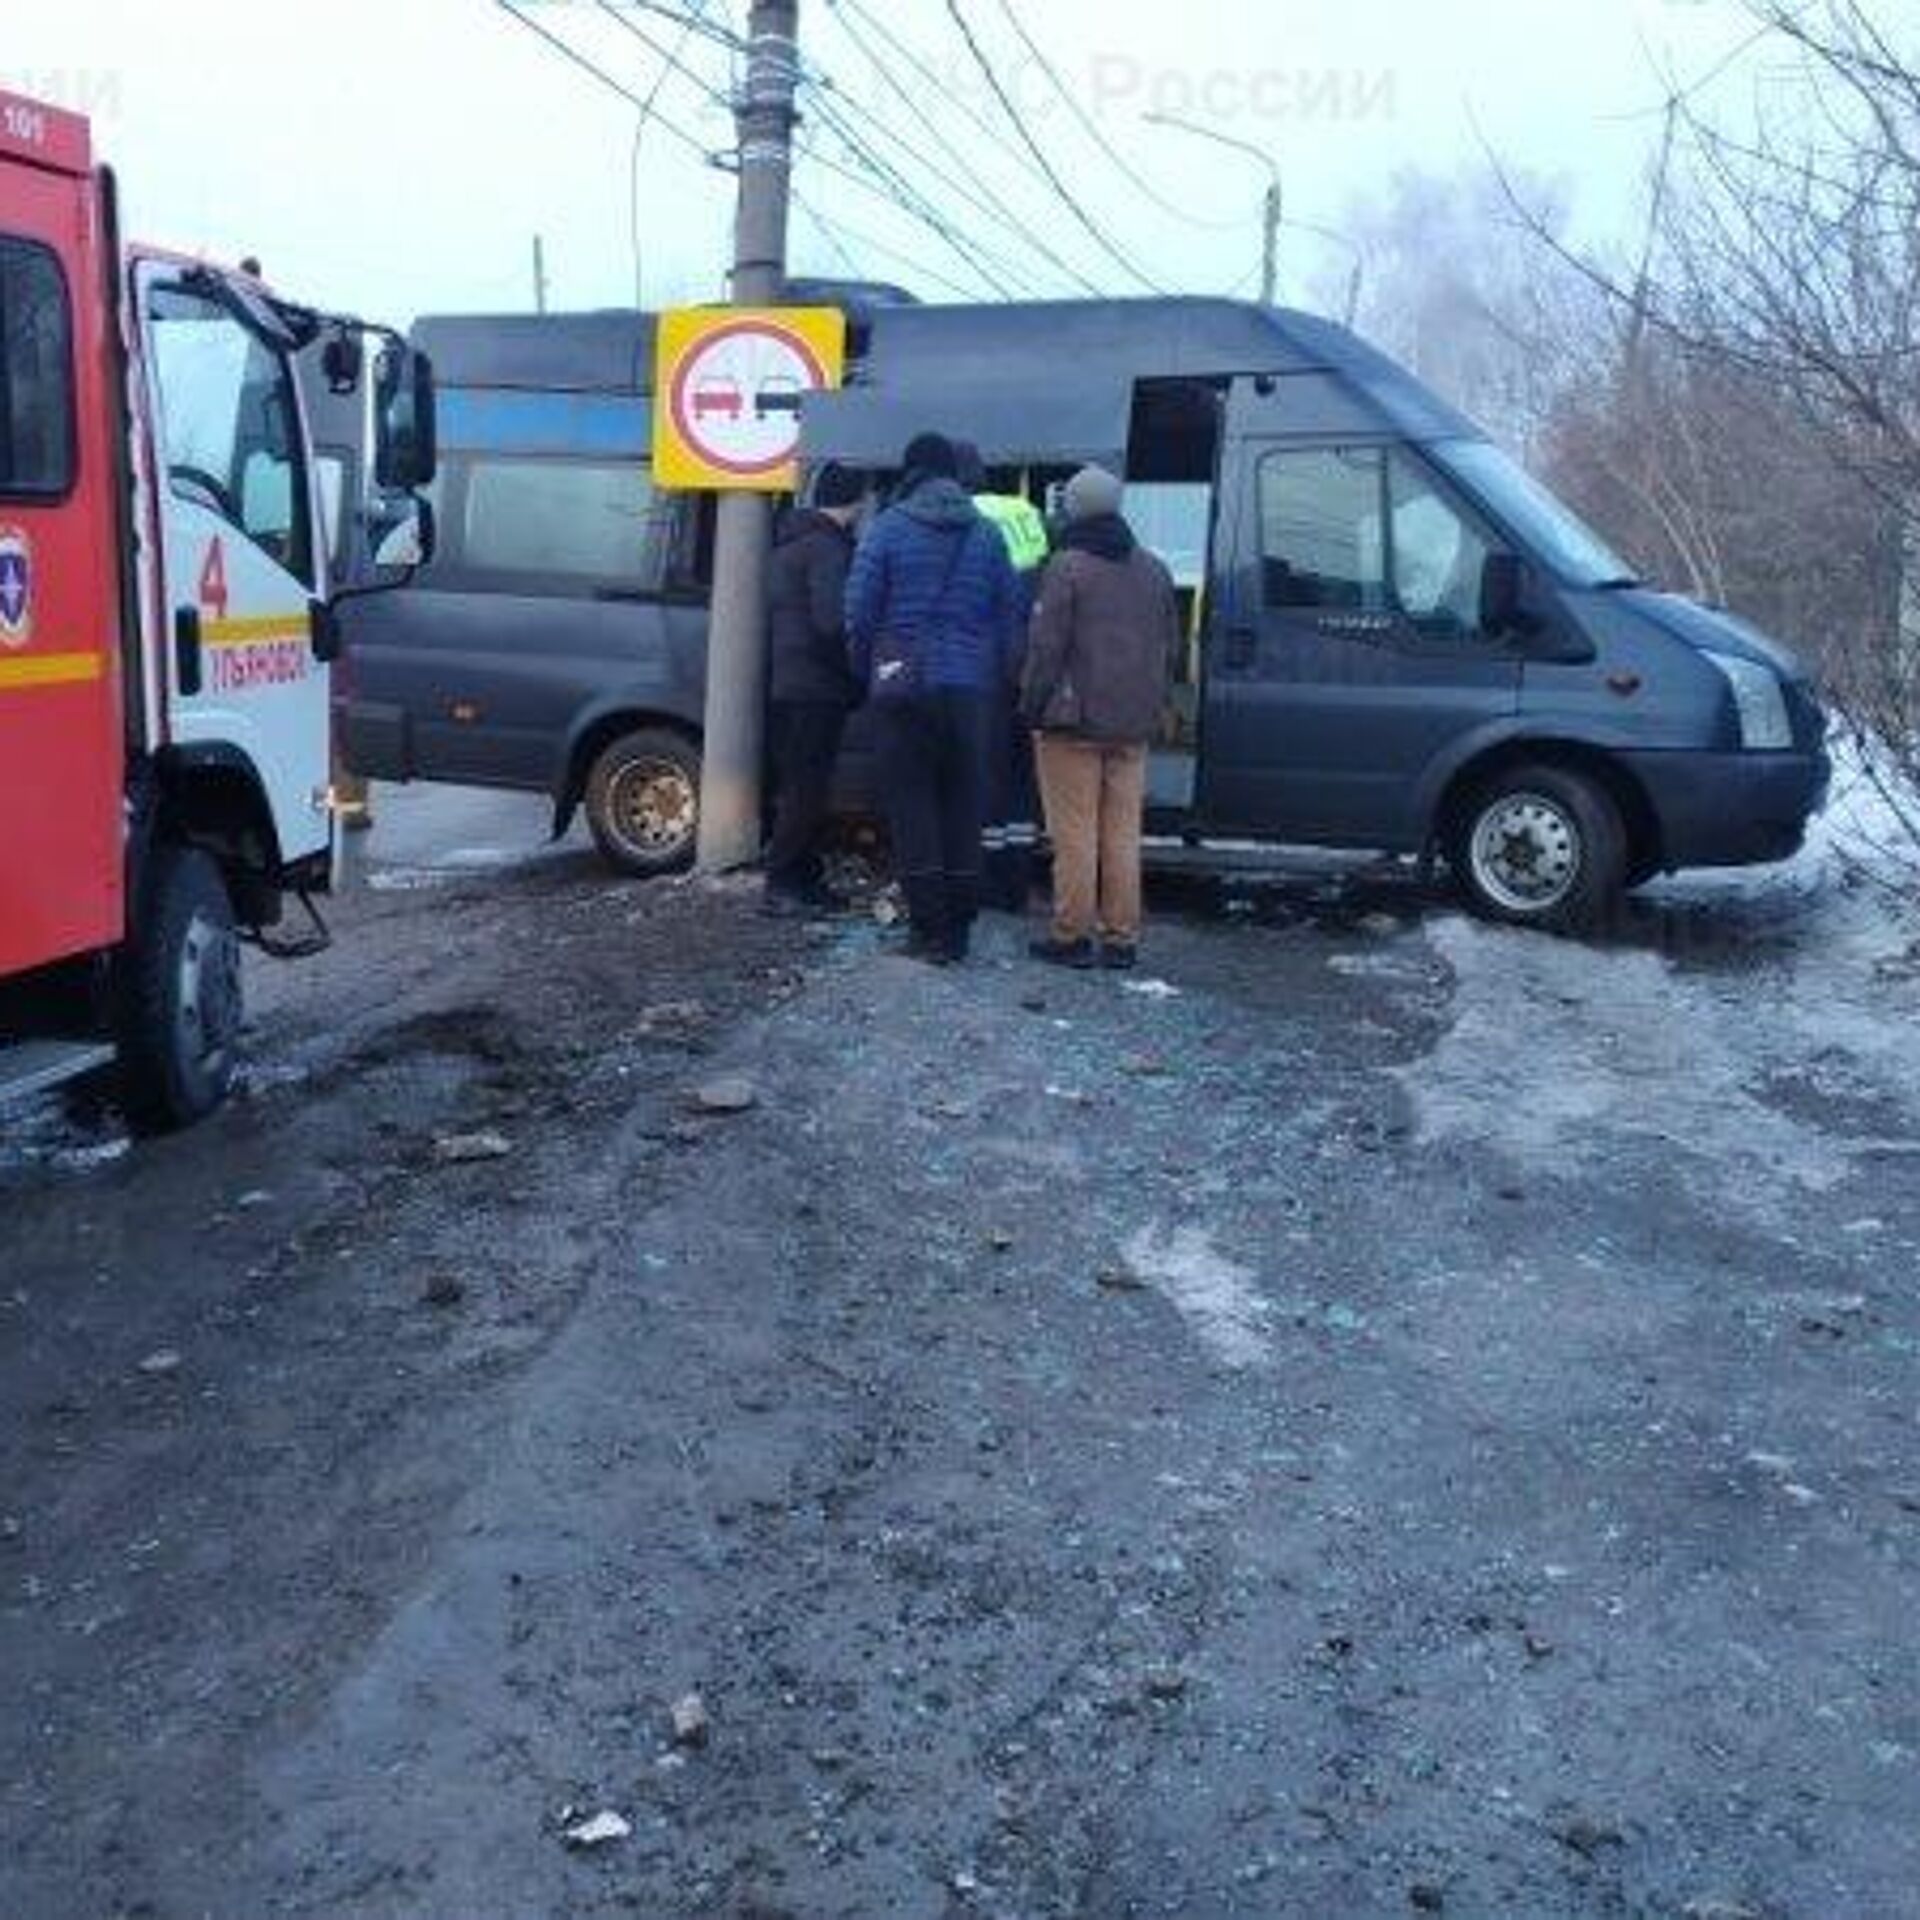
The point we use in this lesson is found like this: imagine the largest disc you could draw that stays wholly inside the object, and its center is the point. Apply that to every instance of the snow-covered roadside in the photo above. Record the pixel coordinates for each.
(1871, 828)
(1763, 1022)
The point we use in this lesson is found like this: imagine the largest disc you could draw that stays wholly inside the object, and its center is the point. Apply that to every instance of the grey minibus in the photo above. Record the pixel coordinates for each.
(1396, 639)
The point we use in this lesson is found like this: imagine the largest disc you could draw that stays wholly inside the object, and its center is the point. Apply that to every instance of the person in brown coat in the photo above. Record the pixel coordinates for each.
(1101, 646)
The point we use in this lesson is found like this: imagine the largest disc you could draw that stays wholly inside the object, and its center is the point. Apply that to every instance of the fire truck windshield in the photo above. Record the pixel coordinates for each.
(227, 417)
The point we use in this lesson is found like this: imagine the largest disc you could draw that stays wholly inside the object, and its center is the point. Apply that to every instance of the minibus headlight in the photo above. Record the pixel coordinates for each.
(1758, 700)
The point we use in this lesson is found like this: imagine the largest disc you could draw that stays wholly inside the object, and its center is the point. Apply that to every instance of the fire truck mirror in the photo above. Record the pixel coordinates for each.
(406, 453)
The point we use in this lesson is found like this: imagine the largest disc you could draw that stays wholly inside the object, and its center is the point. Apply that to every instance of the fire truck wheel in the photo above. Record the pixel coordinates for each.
(180, 994)
(643, 801)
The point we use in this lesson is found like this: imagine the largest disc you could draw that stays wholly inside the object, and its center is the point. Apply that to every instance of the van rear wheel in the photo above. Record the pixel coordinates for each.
(643, 802)
(1541, 846)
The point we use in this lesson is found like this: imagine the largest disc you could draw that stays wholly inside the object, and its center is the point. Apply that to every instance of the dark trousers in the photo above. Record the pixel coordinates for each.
(1012, 830)
(932, 760)
(806, 743)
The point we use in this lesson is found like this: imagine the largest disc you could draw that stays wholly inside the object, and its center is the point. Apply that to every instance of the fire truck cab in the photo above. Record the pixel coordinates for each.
(165, 628)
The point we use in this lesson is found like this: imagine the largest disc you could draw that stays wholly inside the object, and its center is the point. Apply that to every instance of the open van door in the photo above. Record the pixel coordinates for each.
(1344, 649)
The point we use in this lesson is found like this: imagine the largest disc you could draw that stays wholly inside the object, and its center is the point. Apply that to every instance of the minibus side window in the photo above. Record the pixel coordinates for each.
(560, 525)
(1367, 530)
(1323, 530)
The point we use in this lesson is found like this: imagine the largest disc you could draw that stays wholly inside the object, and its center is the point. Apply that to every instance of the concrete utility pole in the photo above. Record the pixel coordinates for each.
(736, 633)
(539, 274)
(1270, 242)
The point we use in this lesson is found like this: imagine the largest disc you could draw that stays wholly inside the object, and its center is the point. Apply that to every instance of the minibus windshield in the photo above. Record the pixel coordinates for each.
(1514, 497)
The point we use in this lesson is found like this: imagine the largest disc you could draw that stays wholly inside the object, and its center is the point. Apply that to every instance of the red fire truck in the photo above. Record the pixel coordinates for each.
(165, 628)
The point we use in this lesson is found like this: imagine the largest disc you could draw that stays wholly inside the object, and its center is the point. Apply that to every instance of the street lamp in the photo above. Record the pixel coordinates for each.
(1270, 207)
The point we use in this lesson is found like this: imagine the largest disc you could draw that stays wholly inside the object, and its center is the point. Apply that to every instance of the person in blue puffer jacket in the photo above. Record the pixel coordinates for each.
(932, 609)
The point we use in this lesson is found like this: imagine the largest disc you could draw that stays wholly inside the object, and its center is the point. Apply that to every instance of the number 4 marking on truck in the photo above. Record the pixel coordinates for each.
(213, 581)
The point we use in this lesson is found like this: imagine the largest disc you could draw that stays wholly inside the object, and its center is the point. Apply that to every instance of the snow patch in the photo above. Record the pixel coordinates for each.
(1782, 1073)
(1214, 1295)
(406, 879)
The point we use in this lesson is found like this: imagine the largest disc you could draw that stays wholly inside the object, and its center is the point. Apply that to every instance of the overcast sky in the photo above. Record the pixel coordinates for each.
(399, 155)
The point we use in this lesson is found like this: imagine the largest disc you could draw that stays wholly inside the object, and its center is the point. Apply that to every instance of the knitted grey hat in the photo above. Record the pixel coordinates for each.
(1092, 492)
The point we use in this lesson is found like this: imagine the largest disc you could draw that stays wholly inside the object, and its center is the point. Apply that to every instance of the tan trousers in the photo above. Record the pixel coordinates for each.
(1095, 796)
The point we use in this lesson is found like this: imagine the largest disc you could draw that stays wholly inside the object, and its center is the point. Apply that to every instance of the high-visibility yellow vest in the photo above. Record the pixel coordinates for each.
(1021, 526)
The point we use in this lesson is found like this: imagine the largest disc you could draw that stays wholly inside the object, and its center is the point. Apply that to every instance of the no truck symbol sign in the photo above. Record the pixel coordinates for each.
(728, 390)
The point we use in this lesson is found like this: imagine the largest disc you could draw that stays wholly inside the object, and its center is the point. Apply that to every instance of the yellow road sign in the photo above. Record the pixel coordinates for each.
(728, 383)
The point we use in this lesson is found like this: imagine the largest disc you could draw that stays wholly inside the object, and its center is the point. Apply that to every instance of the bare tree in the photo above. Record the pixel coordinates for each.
(1453, 291)
(1772, 355)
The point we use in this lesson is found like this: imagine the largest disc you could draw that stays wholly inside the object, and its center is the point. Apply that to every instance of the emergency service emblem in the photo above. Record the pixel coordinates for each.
(16, 587)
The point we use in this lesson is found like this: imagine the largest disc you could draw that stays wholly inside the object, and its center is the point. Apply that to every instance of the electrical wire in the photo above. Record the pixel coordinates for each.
(607, 80)
(1060, 187)
(669, 56)
(669, 63)
(958, 169)
(877, 29)
(698, 19)
(910, 198)
(1093, 129)
(874, 175)
(843, 238)
(1679, 94)
(874, 31)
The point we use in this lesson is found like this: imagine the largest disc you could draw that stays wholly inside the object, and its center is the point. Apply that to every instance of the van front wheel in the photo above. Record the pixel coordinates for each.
(1541, 846)
(643, 802)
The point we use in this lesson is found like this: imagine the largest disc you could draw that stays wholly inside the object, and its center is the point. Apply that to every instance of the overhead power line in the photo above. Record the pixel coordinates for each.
(875, 175)
(1092, 127)
(599, 73)
(1046, 166)
(832, 109)
(693, 15)
(670, 57)
(669, 63)
(875, 29)
(843, 239)
(947, 162)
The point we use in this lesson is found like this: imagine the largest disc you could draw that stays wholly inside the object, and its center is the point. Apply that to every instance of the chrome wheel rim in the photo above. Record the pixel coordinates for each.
(653, 807)
(1526, 852)
(208, 1003)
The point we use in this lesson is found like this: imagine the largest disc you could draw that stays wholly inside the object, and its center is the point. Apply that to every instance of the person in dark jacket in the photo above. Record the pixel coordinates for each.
(811, 685)
(931, 610)
(1099, 652)
(1012, 833)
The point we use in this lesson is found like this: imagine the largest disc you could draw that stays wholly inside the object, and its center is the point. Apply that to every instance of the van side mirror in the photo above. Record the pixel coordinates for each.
(1502, 586)
(406, 435)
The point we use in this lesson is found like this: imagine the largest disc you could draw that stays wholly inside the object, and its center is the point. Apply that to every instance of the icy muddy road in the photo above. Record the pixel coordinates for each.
(1376, 1415)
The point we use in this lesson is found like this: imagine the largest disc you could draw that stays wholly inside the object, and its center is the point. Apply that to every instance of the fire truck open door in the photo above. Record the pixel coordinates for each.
(243, 559)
